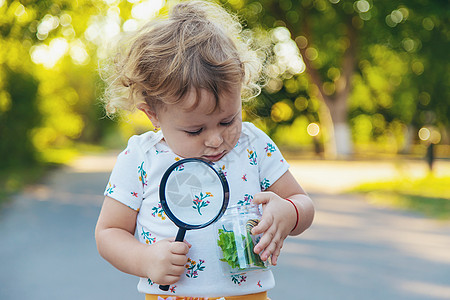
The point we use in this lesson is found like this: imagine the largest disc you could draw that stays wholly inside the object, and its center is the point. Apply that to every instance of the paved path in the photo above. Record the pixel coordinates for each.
(352, 251)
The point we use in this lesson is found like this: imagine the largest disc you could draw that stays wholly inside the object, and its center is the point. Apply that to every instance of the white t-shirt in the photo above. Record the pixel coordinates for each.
(252, 166)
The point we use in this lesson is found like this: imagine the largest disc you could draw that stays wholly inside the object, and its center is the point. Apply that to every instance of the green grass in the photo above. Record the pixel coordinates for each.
(429, 195)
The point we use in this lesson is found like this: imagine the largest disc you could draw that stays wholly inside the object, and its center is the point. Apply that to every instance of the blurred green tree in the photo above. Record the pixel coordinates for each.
(43, 45)
(379, 68)
(380, 63)
(18, 116)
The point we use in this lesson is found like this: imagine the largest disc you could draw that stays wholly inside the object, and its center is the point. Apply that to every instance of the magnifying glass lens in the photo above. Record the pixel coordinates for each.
(194, 193)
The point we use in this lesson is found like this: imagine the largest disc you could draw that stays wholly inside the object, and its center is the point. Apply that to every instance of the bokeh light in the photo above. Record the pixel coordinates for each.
(146, 9)
(429, 134)
(424, 134)
(281, 111)
(313, 129)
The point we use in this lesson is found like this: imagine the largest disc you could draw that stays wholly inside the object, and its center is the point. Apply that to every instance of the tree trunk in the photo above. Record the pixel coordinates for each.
(338, 141)
(334, 109)
(341, 130)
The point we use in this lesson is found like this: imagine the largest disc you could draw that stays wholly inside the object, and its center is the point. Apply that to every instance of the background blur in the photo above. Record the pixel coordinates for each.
(344, 78)
(357, 83)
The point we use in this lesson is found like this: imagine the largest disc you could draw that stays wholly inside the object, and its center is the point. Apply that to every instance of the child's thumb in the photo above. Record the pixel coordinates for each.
(261, 198)
(188, 244)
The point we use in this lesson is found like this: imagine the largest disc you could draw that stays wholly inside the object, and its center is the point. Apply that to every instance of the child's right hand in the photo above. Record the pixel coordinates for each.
(165, 261)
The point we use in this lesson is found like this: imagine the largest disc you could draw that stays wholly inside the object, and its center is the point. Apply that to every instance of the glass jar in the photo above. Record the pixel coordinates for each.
(235, 241)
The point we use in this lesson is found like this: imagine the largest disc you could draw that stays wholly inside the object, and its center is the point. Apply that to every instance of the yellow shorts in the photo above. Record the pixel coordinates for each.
(258, 296)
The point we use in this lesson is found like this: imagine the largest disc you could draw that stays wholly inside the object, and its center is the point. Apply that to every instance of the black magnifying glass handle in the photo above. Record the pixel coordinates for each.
(179, 238)
(180, 235)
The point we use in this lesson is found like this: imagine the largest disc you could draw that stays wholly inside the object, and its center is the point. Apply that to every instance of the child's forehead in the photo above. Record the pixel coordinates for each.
(200, 100)
(193, 110)
(203, 101)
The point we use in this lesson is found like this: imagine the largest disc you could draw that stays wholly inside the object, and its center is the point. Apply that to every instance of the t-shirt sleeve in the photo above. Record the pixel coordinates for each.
(271, 163)
(129, 176)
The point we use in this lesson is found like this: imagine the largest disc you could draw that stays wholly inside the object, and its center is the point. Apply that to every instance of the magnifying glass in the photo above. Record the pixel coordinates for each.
(194, 193)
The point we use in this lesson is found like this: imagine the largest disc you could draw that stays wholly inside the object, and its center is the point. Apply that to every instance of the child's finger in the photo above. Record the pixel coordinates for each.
(261, 198)
(179, 248)
(170, 279)
(179, 260)
(263, 225)
(274, 244)
(264, 242)
(172, 239)
(177, 270)
(275, 256)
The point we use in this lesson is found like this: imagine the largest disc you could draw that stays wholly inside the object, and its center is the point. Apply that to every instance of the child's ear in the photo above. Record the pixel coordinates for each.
(145, 108)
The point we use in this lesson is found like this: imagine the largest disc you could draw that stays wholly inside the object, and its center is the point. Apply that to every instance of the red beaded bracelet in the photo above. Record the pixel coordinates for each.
(296, 211)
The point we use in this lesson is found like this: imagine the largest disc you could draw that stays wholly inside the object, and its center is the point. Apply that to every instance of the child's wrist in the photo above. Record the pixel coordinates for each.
(296, 214)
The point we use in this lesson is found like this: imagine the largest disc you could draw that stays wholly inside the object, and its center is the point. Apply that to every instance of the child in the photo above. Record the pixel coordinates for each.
(187, 74)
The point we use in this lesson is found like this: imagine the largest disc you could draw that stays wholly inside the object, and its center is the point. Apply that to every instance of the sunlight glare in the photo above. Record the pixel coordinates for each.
(311, 53)
(313, 129)
(65, 20)
(20, 10)
(92, 31)
(110, 2)
(110, 29)
(362, 6)
(146, 9)
(424, 134)
(78, 53)
(49, 55)
(130, 25)
(281, 111)
(287, 58)
(281, 34)
(397, 16)
(297, 66)
(47, 24)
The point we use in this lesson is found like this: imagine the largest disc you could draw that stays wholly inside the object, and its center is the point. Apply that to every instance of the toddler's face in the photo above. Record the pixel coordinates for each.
(198, 132)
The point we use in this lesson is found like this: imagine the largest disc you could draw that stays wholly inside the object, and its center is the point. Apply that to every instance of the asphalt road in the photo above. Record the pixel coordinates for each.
(353, 250)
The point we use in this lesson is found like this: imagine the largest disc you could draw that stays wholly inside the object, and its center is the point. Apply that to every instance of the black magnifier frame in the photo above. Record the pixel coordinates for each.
(182, 226)
(162, 193)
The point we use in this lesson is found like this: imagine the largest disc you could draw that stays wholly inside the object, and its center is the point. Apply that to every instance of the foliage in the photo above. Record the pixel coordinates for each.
(229, 244)
(47, 79)
(428, 195)
(18, 116)
(49, 54)
(393, 54)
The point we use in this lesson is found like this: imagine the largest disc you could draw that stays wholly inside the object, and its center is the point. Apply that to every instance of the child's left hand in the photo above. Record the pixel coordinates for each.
(276, 223)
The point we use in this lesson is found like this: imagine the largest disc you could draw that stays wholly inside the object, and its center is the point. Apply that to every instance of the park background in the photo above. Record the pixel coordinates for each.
(347, 83)
(343, 79)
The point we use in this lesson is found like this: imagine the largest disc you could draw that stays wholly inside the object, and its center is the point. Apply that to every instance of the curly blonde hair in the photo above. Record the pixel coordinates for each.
(199, 46)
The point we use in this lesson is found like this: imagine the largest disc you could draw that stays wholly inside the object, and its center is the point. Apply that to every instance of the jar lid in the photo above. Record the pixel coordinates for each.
(243, 209)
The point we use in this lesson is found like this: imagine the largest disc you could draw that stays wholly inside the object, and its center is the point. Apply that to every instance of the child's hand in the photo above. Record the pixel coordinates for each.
(276, 223)
(165, 261)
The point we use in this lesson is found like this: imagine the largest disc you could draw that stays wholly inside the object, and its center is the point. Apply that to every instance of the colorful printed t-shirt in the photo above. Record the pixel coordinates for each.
(252, 166)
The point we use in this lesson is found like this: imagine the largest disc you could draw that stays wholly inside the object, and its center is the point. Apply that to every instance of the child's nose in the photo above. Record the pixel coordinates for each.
(214, 140)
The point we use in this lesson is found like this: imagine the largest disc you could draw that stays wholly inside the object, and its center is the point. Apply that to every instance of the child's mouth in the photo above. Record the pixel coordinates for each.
(214, 157)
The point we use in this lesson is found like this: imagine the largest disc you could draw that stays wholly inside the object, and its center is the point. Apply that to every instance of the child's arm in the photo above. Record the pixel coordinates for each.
(162, 262)
(279, 216)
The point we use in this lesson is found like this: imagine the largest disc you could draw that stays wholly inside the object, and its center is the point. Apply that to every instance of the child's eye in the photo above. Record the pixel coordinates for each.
(227, 123)
(197, 132)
